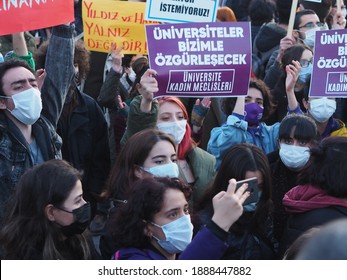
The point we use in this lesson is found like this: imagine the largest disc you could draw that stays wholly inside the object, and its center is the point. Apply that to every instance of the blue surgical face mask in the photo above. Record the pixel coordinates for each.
(294, 157)
(251, 207)
(164, 170)
(304, 73)
(178, 235)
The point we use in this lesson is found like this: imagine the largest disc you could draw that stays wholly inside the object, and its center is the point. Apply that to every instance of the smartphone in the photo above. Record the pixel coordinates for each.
(252, 188)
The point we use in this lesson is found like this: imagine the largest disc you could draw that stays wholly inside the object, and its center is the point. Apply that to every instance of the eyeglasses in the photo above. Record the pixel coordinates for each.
(312, 25)
(305, 63)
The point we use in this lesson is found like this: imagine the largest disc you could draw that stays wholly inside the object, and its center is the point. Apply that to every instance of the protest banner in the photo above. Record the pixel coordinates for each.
(329, 74)
(199, 59)
(106, 22)
(176, 11)
(26, 15)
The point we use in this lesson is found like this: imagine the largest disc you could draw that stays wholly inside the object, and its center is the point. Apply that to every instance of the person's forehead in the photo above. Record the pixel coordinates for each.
(309, 18)
(16, 74)
(169, 107)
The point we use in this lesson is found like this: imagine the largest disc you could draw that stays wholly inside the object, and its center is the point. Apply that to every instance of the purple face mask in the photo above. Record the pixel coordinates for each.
(253, 113)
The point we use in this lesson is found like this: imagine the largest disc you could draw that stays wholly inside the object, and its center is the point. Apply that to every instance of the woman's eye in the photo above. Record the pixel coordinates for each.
(186, 211)
(260, 103)
(158, 162)
(173, 215)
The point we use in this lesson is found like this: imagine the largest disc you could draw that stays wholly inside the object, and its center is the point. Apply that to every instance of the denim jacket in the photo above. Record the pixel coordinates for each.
(236, 131)
(15, 156)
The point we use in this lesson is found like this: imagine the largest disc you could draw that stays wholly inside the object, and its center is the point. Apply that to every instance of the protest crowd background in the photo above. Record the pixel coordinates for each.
(124, 131)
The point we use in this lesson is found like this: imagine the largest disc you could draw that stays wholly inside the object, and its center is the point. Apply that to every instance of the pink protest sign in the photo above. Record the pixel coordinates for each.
(26, 15)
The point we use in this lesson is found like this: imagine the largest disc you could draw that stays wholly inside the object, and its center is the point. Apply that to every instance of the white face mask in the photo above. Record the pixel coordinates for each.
(178, 235)
(294, 157)
(132, 74)
(27, 106)
(164, 170)
(175, 129)
(310, 36)
(322, 109)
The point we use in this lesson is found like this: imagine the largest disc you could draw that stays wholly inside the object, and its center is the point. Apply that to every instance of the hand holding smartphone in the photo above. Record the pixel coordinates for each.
(252, 189)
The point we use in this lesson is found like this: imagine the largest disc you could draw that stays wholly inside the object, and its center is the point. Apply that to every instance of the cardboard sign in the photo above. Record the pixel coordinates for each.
(26, 15)
(176, 11)
(106, 22)
(199, 59)
(329, 74)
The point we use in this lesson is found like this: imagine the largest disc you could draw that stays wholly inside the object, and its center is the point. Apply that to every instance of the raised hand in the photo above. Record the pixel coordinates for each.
(116, 57)
(227, 205)
(292, 71)
(147, 87)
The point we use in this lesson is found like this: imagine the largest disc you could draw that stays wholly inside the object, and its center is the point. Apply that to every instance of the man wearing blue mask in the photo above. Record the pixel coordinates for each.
(27, 122)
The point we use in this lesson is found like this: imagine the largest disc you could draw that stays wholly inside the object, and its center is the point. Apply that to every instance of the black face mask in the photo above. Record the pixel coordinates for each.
(82, 217)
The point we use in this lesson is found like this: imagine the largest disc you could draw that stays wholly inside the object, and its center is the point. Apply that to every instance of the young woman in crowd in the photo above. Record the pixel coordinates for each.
(155, 223)
(320, 109)
(297, 134)
(147, 153)
(47, 216)
(303, 54)
(168, 114)
(250, 237)
(245, 123)
(321, 193)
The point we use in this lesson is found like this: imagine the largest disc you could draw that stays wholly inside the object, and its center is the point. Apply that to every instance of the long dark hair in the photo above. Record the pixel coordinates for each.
(132, 155)
(236, 162)
(27, 232)
(327, 167)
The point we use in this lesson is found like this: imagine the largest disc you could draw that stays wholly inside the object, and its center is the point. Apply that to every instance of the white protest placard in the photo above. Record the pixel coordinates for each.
(176, 11)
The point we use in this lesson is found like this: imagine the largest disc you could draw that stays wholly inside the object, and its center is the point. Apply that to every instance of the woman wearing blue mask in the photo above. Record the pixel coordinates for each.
(304, 55)
(169, 114)
(297, 134)
(251, 236)
(155, 223)
(245, 122)
(147, 153)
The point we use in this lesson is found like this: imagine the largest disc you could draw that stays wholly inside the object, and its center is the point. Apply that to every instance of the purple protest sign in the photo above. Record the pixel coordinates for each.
(329, 74)
(201, 59)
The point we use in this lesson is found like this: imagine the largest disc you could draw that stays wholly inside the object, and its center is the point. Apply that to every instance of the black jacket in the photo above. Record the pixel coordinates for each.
(85, 143)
